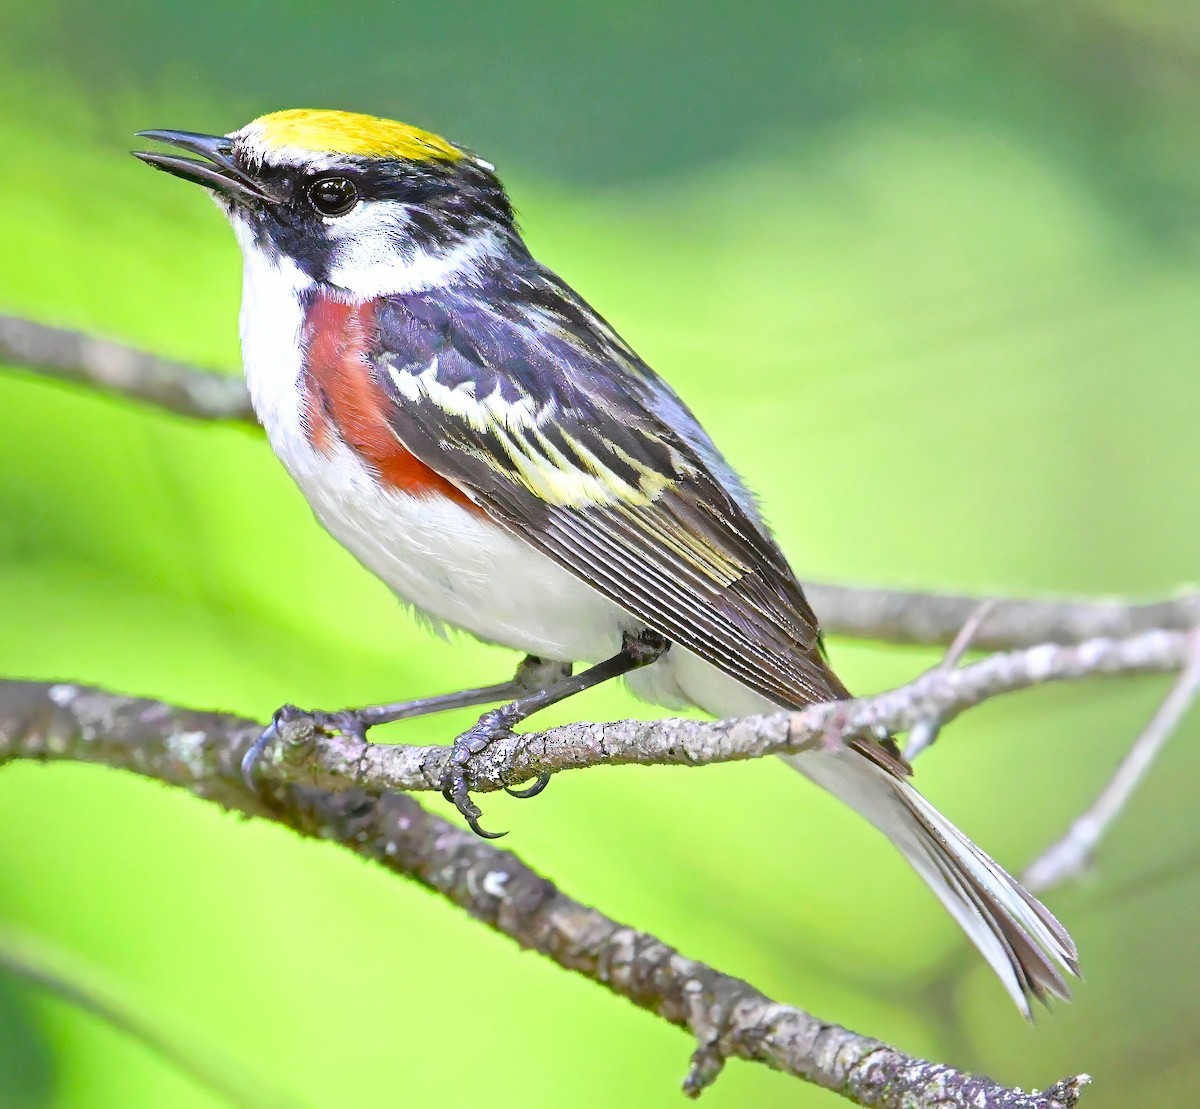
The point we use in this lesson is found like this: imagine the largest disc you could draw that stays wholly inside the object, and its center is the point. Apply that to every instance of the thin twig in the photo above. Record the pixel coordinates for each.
(968, 633)
(727, 1017)
(1072, 854)
(925, 733)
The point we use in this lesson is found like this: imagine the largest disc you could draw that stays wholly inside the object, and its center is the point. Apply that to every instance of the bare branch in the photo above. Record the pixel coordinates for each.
(1063, 640)
(1072, 854)
(303, 755)
(116, 368)
(967, 633)
(727, 1017)
(934, 619)
(893, 616)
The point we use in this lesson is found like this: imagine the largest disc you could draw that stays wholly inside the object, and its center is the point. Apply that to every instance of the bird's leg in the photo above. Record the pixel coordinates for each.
(636, 651)
(533, 674)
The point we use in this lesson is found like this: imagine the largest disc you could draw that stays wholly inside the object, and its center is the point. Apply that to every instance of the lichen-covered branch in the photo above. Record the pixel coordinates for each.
(894, 616)
(727, 1017)
(303, 755)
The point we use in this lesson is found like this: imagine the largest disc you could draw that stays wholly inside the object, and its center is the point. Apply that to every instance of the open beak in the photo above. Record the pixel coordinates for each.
(217, 171)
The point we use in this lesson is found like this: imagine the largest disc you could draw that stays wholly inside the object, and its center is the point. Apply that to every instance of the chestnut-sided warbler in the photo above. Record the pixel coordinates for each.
(470, 429)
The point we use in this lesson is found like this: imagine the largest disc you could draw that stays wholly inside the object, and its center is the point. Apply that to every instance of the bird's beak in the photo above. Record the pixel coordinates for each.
(217, 172)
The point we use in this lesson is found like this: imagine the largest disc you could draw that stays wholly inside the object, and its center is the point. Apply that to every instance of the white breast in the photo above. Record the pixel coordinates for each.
(449, 563)
(270, 324)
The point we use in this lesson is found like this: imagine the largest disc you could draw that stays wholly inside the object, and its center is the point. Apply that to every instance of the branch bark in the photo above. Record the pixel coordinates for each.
(727, 1017)
(302, 754)
(934, 619)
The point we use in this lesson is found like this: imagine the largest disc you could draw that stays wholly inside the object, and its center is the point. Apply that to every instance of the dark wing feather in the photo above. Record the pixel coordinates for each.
(531, 405)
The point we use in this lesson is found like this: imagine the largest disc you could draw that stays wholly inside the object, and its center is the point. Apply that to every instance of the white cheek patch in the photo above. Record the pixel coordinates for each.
(373, 254)
(367, 242)
(366, 220)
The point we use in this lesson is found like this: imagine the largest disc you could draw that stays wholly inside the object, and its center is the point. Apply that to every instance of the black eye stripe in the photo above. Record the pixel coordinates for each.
(332, 195)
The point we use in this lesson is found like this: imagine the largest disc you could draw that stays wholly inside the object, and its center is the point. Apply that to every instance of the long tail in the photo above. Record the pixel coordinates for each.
(1014, 931)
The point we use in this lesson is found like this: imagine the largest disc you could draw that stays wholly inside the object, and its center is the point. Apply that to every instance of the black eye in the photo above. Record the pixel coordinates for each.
(332, 196)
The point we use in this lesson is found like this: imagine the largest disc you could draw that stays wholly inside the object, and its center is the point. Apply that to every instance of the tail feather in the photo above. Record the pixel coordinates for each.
(1028, 949)
(1019, 937)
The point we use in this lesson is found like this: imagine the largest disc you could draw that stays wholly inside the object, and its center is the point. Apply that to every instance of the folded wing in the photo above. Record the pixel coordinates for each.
(548, 422)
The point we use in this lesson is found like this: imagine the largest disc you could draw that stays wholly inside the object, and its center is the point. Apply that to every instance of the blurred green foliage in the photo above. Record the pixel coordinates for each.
(931, 275)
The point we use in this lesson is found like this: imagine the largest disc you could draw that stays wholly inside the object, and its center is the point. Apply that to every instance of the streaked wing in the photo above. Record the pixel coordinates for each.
(545, 419)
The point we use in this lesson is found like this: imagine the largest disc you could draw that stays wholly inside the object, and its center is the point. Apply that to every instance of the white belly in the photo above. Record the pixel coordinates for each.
(454, 566)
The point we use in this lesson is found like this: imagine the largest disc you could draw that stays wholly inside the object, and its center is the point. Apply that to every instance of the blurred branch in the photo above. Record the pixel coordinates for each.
(116, 368)
(1071, 855)
(934, 619)
(58, 972)
(894, 616)
(301, 753)
(728, 1018)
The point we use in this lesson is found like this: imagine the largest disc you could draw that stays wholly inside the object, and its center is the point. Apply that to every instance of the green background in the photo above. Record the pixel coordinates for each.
(930, 273)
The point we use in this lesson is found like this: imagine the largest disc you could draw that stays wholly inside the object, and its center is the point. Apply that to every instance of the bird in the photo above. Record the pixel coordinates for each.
(481, 439)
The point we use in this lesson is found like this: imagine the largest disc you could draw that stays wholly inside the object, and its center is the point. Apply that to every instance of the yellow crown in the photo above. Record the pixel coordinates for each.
(322, 131)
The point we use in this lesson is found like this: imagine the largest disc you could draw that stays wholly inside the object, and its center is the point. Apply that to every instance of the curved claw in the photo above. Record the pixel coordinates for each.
(492, 726)
(285, 714)
(543, 780)
(251, 757)
(483, 833)
(459, 796)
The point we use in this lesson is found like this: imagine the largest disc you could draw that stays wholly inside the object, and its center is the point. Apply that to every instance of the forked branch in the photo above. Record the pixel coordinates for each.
(1072, 854)
(356, 792)
(727, 1017)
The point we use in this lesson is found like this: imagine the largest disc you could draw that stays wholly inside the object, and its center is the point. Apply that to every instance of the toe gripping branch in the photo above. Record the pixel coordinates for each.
(533, 674)
(637, 650)
(496, 724)
(347, 722)
(537, 684)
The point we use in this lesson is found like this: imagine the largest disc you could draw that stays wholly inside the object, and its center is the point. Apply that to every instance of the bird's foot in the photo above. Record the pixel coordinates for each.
(494, 725)
(347, 722)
